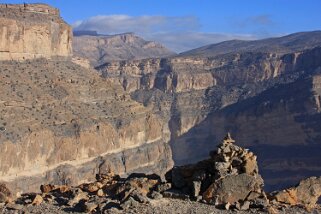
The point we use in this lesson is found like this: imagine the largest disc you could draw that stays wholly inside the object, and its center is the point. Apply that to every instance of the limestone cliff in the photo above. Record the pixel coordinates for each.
(30, 31)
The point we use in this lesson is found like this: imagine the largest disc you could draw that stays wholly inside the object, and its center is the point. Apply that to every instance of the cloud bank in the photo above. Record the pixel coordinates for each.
(177, 33)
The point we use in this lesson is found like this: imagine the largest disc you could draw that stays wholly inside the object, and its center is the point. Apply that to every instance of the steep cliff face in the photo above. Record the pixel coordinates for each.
(62, 123)
(196, 95)
(30, 31)
(100, 49)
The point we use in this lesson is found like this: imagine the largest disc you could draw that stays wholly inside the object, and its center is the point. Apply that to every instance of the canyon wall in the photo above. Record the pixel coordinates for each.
(62, 123)
(30, 31)
(204, 97)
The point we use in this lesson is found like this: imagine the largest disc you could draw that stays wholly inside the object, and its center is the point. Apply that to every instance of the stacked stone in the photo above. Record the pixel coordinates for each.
(229, 178)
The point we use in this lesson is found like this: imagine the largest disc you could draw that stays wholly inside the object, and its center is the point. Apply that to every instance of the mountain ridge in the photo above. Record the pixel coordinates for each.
(279, 45)
(99, 48)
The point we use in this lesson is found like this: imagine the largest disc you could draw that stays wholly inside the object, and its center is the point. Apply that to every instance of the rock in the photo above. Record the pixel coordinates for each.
(91, 187)
(140, 198)
(37, 200)
(232, 189)
(245, 205)
(5, 193)
(45, 188)
(155, 195)
(227, 206)
(163, 187)
(100, 193)
(175, 195)
(89, 207)
(177, 178)
(78, 196)
(130, 202)
(13, 206)
(306, 193)
(3, 198)
(196, 188)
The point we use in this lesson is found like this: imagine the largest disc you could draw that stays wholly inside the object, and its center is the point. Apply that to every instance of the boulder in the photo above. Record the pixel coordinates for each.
(306, 193)
(37, 200)
(233, 188)
(5, 193)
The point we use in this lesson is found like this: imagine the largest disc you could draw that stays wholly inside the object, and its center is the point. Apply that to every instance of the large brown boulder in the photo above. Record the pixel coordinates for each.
(233, 188)
(306, 193)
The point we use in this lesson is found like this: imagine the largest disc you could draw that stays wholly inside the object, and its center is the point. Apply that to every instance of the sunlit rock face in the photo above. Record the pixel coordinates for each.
(30, 31)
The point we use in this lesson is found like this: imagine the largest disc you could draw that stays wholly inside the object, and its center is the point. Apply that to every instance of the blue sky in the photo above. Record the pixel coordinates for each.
(186, 24)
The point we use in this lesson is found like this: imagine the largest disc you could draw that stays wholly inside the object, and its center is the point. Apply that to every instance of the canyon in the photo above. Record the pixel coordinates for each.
(269, 100)
(62, 121)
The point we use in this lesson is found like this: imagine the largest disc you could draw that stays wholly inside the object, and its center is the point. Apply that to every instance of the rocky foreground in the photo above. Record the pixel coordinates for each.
(228, 181)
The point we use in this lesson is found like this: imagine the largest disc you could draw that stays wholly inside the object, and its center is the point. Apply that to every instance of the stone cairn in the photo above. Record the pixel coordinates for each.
(228, 179)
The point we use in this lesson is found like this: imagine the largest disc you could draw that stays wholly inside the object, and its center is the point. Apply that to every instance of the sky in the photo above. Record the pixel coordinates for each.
(186, 24)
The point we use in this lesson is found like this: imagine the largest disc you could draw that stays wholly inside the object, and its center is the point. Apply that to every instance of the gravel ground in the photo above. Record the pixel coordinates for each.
(161, 206)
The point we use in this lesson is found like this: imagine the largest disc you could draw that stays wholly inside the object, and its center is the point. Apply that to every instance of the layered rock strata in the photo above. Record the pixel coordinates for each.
(30, 31)
(61, 123)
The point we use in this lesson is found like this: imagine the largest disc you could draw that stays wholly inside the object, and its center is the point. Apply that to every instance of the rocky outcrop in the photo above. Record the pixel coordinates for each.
(30, 31)
(100, 49)
(306, 193)
(229, 178)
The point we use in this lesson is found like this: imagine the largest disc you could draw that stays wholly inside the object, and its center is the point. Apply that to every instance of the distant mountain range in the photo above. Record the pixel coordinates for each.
(286, 44)
(99, 49)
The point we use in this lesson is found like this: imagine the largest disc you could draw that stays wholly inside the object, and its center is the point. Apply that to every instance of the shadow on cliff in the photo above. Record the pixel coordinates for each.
(279, 125)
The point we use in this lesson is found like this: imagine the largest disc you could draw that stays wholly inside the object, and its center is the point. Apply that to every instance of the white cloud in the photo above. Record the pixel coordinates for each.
(176, 33)
(114, 24)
